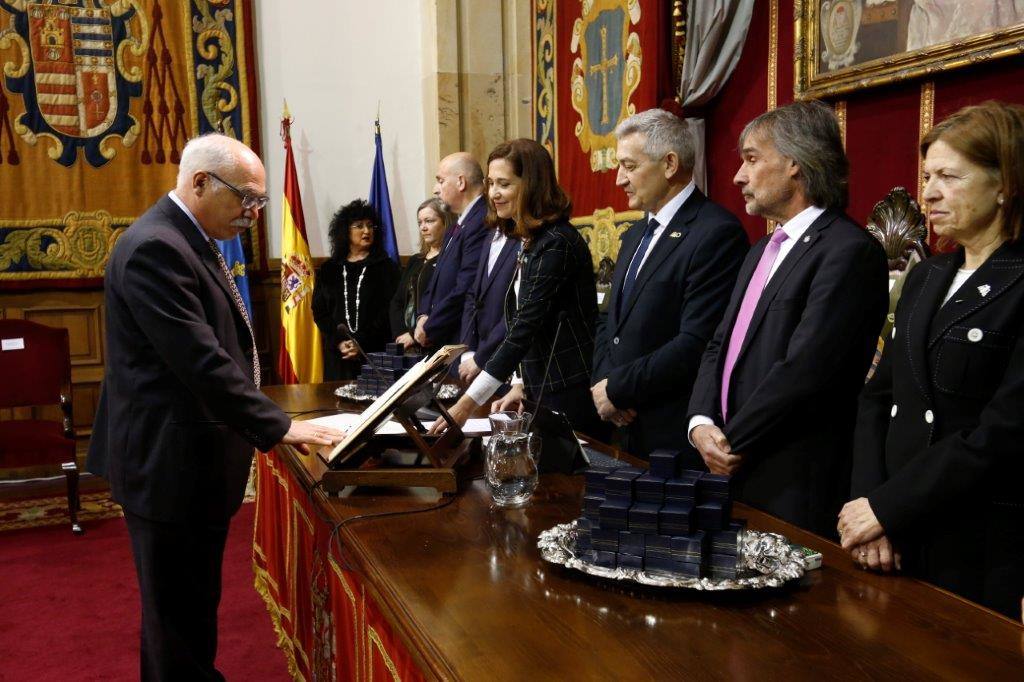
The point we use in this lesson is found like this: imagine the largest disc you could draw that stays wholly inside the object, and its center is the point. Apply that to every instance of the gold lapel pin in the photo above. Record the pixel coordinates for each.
(676, 235)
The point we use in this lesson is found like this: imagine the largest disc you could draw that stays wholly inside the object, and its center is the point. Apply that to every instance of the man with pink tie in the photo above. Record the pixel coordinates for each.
(775, 399)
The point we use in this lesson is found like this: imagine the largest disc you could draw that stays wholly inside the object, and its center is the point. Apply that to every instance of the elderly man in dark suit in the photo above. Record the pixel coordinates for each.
(180, 410)
(671, 284)
(460, 184)
(776, 398)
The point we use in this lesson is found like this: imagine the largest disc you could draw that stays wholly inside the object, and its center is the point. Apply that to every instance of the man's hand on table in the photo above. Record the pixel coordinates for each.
(303, 434)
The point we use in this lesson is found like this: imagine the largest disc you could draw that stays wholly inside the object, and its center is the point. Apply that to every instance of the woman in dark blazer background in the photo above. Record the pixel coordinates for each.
(552, 291)
(433, 219)
(939, 447)
(354, 286)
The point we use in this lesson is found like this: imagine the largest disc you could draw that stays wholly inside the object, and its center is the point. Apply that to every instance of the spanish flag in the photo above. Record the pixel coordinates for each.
(300, 361)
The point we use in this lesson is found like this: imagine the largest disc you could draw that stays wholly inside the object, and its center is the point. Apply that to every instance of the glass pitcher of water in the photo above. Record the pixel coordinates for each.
(510, 459)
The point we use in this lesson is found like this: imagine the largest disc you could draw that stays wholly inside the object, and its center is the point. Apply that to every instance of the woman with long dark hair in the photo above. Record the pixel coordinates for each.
(551, 306)
(354, 286)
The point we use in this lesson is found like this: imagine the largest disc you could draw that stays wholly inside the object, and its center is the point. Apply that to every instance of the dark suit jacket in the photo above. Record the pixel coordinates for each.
(793, 391)
(651, 349)
(179, 414)
(557, 277)
(445, 297)
(483, 319)
(939, 433)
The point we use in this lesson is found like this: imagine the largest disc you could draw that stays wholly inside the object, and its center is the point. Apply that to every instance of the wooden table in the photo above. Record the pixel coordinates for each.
(465, 590)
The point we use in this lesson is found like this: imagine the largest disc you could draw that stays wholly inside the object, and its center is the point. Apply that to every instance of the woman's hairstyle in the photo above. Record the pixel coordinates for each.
(808, 133)
(338, 233)
(990, 135)
(541, 200)
(441, 209)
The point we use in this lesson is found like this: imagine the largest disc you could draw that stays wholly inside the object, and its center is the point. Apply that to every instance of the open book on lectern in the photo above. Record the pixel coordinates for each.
(416, 383)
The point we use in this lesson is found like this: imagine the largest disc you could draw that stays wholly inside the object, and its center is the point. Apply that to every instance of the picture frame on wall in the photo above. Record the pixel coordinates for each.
(848, 45)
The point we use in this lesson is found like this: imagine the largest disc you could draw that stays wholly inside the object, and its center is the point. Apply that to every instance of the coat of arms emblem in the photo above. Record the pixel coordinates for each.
(605, 75)
(75, 73)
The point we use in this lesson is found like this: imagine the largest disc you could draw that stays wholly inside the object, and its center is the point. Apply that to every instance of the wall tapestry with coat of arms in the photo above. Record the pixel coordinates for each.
(97, 100)
(597, 62)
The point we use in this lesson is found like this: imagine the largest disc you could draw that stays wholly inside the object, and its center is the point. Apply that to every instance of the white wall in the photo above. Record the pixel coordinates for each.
(334, 61)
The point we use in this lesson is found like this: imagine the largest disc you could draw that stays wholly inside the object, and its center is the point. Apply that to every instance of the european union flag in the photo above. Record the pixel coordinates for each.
(380, 199)
(234, 256)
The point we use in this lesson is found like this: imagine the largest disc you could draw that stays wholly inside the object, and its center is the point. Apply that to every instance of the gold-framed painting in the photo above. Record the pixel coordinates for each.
(846, 45)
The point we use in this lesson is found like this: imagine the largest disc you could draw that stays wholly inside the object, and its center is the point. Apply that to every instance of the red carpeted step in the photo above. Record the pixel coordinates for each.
(69, 606)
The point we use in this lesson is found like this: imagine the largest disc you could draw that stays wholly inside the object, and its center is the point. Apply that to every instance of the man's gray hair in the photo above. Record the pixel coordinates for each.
(808, 133)
(663, 132)
(210, 152)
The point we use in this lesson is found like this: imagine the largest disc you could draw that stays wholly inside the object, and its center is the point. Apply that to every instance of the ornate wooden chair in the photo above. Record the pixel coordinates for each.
(35, 366)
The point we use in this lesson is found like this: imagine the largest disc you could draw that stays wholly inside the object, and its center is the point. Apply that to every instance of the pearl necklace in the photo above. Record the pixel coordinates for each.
(353, 326)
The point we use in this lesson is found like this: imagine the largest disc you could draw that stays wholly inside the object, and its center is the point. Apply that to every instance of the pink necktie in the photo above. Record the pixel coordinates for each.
(746, 313)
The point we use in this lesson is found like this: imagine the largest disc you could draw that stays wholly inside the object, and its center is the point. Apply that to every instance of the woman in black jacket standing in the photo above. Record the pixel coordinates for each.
(938, 454)
(434, 219)
(551, 306)
(354, 286)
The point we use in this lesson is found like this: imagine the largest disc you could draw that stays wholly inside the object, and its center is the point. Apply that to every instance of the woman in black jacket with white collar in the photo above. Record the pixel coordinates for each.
(939, 447)
(551, 305)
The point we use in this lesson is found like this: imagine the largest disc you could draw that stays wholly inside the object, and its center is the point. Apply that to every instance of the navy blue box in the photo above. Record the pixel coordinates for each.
(682, 488)
(650, 488)
(614, 514)
(409, 361)
(658, 546)
(619, 483)
(643, 517)
(712, 487)
(723, 567)
(595, 480)
(712, 516)
(657, 564)
(631, 543)
(689, 548)
(605, 559)
(676, 518)
(592, 506)
(631, 561)
(664, 463)
(583, 542)
(604, 539)
(725, 542)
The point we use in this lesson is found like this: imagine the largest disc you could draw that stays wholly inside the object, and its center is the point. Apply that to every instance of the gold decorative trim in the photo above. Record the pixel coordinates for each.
(808, 83)
(79, 245)
(841, 117)
(602, 230)
(284, 641)
(546, 95)
(773, 55)
(373, 638)
(926, 120)
(339, 573)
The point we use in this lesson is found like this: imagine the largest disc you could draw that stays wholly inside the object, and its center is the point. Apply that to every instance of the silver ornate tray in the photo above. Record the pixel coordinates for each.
(767, 560)
(350, 392)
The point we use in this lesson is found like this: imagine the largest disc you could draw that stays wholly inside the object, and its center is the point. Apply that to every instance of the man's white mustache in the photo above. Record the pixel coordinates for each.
(241, 222)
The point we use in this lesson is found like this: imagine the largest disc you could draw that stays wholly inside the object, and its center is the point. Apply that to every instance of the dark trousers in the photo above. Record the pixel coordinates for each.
(179, 570)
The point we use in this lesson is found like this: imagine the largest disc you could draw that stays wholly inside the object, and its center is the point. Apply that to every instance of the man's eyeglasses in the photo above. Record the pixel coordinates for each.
(249, 202)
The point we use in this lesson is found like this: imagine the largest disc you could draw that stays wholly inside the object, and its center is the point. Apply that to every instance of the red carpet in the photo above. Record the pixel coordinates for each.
(69, 606)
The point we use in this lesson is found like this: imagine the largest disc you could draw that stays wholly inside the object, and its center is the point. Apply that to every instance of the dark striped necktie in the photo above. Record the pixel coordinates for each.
(240, 305)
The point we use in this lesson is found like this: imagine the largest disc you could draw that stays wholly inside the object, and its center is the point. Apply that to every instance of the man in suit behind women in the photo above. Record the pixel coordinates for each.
(180, 410)
(775, 399)
(672, 281)
(460, 184)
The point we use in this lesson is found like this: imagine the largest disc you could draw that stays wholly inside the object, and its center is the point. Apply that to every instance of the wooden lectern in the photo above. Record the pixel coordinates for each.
(443, 454)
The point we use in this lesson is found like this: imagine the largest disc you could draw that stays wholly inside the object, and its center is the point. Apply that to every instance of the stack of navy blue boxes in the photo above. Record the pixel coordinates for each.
(388, 367)
(664, 520)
